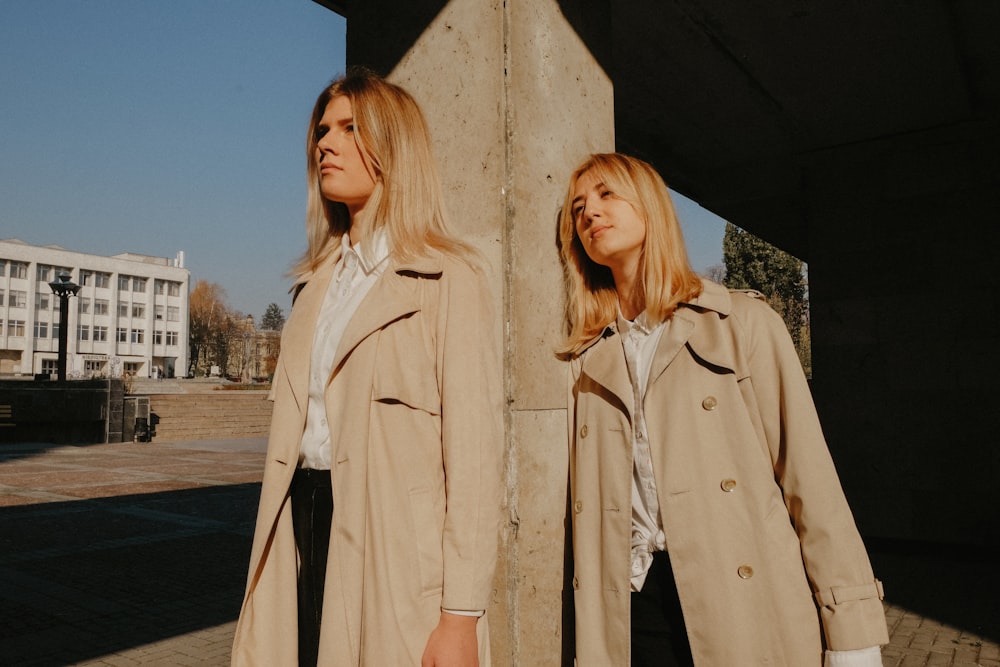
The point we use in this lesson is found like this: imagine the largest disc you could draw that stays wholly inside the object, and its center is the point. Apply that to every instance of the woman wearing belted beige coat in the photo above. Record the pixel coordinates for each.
(386, 400)
(709, 525)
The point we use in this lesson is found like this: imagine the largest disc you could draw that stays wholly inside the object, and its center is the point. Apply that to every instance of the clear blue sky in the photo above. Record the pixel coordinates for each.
(152, 127)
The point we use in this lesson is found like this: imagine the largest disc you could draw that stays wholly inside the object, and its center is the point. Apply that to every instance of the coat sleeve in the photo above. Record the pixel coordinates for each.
(471, 437)
(845, 589)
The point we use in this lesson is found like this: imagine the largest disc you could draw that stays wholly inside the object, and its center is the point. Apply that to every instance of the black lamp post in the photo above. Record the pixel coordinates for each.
(247, 335)
(63, 288)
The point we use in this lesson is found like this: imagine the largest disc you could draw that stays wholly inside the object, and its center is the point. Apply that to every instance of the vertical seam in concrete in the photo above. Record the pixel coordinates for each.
(513, 623)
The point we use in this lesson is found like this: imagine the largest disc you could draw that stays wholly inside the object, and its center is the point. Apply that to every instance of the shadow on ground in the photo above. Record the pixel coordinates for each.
(954, 585)
(87, 578)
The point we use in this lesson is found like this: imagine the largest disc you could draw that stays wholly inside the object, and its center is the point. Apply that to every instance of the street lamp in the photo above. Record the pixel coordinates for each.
(246, 357)
(247, 379)
(63, 288)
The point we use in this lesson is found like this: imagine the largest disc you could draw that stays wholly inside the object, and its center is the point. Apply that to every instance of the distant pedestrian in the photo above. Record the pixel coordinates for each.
(709, 525)
(376, 537)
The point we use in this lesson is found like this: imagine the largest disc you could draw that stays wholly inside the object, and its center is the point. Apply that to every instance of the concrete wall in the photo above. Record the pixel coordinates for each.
(903, 286)
(515, 101)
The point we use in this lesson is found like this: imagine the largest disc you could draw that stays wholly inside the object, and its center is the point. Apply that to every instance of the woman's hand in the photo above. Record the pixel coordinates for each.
(452, 643)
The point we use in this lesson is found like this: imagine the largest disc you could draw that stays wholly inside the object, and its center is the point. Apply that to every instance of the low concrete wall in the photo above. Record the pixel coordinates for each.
(60, 412)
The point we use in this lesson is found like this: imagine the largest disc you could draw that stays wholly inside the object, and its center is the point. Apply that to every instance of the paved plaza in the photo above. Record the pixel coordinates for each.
(136, 554)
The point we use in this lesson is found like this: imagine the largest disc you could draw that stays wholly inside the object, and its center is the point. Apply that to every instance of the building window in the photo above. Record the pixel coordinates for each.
(41, 329)
(55, 330)
(44, 273)
(85, 277)
(1, 296)
(3, 267)
(100, 334)
(157, 337)
(174, 289)
(159, 312)
(100, 306)
(82, 332)
(122, 310)
(123, 282)
(50, 366)
(138, 310)
(19, 270)
(138, 335)
(122, 334)
(138, 284)
(83, 305)
(102, 280)
(17, 299)
(172, 338)
(41, 301)
(158, 287)
(15, 328)
(173, 314)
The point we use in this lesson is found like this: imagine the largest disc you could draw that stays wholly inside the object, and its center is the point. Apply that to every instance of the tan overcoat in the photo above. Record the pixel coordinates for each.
(416, 452)
(769, 565)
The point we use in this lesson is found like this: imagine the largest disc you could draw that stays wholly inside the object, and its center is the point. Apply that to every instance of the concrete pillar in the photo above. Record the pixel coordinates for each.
(514, 101)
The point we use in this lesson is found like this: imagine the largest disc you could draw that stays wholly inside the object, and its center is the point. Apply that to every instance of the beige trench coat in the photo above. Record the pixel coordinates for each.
(416, 451)
(769, 565)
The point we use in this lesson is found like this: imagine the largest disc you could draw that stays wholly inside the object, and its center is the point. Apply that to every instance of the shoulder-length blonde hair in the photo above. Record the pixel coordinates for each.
(407, 202)
(666, 275)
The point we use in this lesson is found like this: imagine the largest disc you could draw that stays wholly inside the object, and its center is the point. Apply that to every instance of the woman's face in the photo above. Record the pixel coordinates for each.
(610, 229)
(344, 174)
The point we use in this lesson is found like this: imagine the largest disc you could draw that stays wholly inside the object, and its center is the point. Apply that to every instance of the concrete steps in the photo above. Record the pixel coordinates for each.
(210, 415)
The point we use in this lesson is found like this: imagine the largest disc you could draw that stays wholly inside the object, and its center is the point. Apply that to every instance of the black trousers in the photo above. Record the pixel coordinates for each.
(659, 638)
(312, 515)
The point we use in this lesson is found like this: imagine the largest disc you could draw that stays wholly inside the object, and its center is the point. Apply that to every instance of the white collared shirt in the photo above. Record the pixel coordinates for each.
(353, 277)
(639, 341)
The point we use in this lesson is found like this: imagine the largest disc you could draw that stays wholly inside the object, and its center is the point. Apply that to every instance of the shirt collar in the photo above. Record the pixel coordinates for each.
(640, 324)
(369, 260)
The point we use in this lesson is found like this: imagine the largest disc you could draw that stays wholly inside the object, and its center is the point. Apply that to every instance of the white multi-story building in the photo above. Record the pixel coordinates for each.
(130, 315)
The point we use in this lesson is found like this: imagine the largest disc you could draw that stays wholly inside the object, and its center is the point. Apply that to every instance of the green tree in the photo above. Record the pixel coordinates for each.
(273, 319)
(752, 263)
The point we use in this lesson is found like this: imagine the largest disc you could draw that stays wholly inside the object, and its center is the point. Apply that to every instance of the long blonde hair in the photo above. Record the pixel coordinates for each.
(666, 275)
(406, 202)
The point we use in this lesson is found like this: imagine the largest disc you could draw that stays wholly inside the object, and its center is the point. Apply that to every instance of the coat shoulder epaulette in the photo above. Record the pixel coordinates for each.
(752, 293)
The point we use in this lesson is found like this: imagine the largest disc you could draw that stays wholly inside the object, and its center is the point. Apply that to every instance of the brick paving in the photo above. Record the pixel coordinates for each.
(136, 554)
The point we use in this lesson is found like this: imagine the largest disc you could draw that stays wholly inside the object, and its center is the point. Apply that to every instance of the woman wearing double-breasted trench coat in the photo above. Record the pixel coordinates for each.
(768, 563)
(416, 453)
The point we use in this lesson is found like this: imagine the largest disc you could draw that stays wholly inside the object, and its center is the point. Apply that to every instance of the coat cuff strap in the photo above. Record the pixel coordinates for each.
(829, 597)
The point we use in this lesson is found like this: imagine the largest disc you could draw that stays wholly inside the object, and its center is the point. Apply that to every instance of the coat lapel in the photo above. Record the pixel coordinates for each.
(297, 337)
(395, 295)
(688, 326)
(604, 364)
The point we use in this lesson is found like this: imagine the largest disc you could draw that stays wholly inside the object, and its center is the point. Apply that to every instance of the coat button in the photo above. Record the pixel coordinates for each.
(728, 485)
(583, 431)
(578, 506)
(709, 403)
(576, 582)
(745, 571)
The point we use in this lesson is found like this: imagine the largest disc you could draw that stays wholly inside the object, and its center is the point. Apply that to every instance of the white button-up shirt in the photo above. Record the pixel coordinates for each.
(640, 341)
(353, 278)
